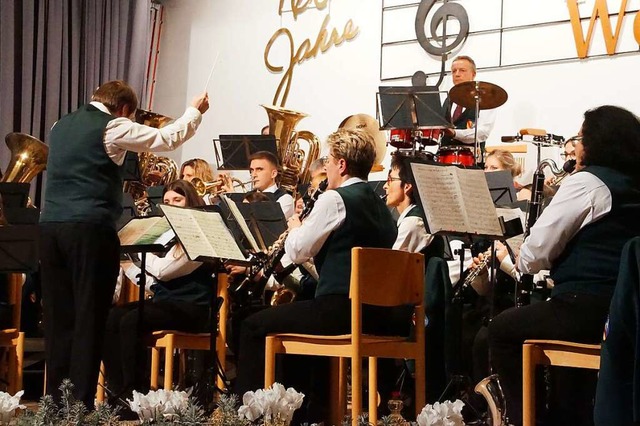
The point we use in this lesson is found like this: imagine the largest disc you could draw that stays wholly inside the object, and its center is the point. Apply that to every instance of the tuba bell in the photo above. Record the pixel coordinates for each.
(28, 158)
(294, 160)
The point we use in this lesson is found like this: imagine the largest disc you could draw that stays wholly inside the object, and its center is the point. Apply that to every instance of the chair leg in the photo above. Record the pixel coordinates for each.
(356, 389)
(269, 362)
(342, 388)
(420, 384)
(155, 367)
(373, 390)
(20, 359)
(100, 389)
(168, 364)
(528, 385)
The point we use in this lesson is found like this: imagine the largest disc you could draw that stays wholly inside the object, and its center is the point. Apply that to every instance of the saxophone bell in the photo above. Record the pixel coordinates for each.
(491, 390)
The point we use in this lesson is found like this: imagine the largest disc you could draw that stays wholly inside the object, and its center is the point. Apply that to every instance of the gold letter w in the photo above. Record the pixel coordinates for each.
(599, 9)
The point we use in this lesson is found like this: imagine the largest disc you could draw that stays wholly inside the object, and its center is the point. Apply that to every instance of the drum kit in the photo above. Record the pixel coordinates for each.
(477, 95)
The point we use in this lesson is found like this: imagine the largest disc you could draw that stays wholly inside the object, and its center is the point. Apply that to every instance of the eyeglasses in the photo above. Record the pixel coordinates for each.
(391, 179)
(574, 139)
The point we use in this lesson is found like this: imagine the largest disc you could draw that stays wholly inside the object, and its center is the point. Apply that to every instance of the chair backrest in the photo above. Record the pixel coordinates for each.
(386, 277)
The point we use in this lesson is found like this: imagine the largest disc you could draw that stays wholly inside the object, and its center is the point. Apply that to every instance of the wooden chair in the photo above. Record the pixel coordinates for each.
(381, 277)
(168, 340)
(12, 340)
(551, 352)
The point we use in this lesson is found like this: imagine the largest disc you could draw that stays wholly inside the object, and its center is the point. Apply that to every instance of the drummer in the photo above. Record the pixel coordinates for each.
(463, 69)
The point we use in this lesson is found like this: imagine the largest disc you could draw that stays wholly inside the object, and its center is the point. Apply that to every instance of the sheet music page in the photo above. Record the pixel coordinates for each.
(478, 204)
(218, 235)
(240, 221)
(188, 230)
(148, 230)
(441, 197)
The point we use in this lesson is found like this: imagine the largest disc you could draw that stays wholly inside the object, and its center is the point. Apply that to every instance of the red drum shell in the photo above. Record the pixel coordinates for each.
(458, 155)
(401, 138)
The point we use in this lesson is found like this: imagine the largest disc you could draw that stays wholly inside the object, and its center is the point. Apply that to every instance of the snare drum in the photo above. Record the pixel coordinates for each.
(401, 138)
(458, 155)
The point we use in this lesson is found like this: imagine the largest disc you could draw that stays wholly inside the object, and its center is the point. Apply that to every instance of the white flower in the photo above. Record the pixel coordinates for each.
(158, 404)
(8, 405)
(270, 403)
(442, 414)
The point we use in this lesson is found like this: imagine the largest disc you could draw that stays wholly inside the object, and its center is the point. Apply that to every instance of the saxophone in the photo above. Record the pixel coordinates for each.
(490, 389)
(268, 264)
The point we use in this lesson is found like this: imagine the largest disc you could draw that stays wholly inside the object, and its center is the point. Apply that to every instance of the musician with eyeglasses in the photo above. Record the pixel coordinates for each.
(579, 237)
(349, 214)
(79, 246)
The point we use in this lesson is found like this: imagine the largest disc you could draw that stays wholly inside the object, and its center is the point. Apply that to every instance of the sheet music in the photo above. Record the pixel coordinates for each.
(189, 232)
(478, 204)
(222, 243)
(441, 197)
(240, 221)
(144, 231)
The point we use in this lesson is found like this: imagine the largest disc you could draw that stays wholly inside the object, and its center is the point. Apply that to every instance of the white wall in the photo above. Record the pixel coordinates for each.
(344, 80)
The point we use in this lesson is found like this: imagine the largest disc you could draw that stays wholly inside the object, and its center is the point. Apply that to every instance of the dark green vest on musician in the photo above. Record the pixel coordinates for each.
(368, 224)
(83, 183)
(589, 263)
(196, 287)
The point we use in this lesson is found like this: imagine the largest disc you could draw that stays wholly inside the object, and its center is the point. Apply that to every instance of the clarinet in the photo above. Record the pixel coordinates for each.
(272, 260)
(524, 286)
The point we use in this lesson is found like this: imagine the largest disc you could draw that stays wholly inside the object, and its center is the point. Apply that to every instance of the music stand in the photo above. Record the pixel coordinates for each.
(501, 187)
(235, 150)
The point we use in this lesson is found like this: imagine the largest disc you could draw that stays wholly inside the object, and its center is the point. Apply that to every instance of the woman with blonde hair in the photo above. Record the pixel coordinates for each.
(196, 168)
(501, 159)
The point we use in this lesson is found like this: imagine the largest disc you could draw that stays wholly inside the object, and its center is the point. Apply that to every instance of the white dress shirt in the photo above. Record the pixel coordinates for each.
(122, 134)
(328, 214)
(412, 234)
(287, 204)
(582, 199)
(486, 119)
(164, 268)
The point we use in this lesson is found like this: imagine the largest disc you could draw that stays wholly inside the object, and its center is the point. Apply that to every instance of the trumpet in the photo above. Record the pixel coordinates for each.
(218, 186)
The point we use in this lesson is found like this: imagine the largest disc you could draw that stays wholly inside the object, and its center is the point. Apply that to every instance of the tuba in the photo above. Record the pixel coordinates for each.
(294, 160)
(154, 170)
(28, 158)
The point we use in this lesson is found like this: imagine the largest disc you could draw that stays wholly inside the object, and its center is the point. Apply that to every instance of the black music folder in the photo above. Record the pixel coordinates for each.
(235, 150)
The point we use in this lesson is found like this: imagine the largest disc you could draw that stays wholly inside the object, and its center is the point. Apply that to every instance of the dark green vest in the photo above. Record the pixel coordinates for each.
(368, 224)
(83, 183)
(196, 287)
(589, 263)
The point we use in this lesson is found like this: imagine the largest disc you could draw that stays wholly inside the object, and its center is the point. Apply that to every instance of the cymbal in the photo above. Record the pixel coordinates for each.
(370, 125)
(490, 95)
(152, 119)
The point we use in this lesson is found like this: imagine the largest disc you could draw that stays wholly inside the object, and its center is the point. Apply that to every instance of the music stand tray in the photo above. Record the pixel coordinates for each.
(411, 108)
(235, 150)
(19, 248)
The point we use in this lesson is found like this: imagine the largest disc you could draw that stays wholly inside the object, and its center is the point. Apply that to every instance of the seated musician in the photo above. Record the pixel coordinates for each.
(349, 214)
(463, 69)
(500, 159)
(196, 168)
(579, 236)
(264, 171)
(181, 299)
(412, 233)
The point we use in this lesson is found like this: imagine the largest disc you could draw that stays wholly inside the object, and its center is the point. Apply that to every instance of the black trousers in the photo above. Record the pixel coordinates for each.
(568, 316)
(122, 344)
(324, 315)
(79, 266)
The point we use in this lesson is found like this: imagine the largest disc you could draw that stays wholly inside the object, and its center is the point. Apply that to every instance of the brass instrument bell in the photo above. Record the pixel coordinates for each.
(28, 158)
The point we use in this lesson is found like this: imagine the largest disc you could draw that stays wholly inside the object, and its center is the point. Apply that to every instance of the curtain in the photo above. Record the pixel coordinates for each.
(54, 53)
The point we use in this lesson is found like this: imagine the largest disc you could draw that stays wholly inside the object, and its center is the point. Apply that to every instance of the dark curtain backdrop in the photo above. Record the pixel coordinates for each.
(54, 53)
